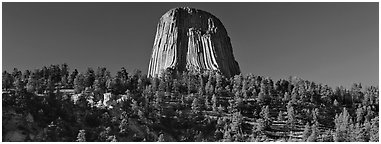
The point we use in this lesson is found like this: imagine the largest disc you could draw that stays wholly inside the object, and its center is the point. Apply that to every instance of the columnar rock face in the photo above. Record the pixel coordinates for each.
(191, 39)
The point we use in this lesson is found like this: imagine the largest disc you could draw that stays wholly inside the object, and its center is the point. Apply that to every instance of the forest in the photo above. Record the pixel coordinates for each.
(54, 103)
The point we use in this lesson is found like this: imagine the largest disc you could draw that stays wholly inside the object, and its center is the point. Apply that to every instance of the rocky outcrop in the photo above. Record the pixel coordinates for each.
(191, 39)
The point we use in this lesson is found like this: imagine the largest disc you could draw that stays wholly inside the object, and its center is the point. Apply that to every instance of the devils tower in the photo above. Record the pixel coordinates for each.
(191, 39)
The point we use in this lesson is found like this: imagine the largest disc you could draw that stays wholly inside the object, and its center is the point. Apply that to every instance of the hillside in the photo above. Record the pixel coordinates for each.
(56, 104)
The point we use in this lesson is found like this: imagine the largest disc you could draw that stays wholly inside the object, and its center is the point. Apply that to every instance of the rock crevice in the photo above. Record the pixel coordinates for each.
(191, 39)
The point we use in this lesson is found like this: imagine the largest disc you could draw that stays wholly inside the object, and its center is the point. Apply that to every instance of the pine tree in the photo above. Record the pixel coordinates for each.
(315, 114)
(280, 116)
(294, 96)
(286, 97)
(52, 132)
(314, 135)
(236, 122)
(112, 138)
(64, 81)
(336, 103)
(105, 134)
(31, 86)
(19, 85)
(265, 118)
(261, 98)
(327, 136)
(79, 83)
(72, 77)
(214, 102)
(227, 137)
(135, 107)
(211, 89)
(98, 87)
(231, 106)
(360, 133)
(161, 138)
(7, 80)
(123, 126)
(291, 117)
(359, 115)
(238, 104)
(342, 123)
(207, 103)
(256, 131)
(176, 86)
(265, 113)
(196, 106)
(218, 135)
(218, 83)
(81, 136)
(244, 89)
(307, 132)
(158, 102)
(374, 131)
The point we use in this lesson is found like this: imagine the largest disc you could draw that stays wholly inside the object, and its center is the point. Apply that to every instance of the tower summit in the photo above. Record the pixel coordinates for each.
(191, 39)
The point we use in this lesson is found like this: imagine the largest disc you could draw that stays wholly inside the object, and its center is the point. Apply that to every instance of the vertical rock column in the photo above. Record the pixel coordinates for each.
(191, 39)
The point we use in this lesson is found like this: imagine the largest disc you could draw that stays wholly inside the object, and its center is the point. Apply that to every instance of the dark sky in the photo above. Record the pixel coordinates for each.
(329, 43)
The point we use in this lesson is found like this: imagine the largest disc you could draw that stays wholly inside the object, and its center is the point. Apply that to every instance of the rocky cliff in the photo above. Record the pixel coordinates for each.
(191, 39)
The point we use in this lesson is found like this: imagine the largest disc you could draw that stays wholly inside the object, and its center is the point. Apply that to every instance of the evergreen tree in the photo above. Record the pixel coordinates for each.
(265, 114)
(336, 103)
(236, 123)
(256, 131)
(307, 132)
(232, 105)
(227, 136)
(359, 115)
(207, 103)
(7, 81)
(214, 103)
(31, 86)
(262, 98)
(81, 136)
(265, 120)
(79, 83)
(280, 116)
(286, 97)
(342, 123)
(112, 139)
(72, 77)
(105, 134)
(315, 114)
(19, 85)
(161, 138)
(218, 83)
(315, 133)
(89, 77)
(196, 106)
(52, 133)
(218, 135)
(123, 126)
(374, 131)
(291, 117)
(361, 132)
(176, 86)
(158, 103)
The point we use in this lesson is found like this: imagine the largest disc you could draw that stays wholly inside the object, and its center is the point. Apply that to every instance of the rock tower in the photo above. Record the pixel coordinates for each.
(191, 39)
